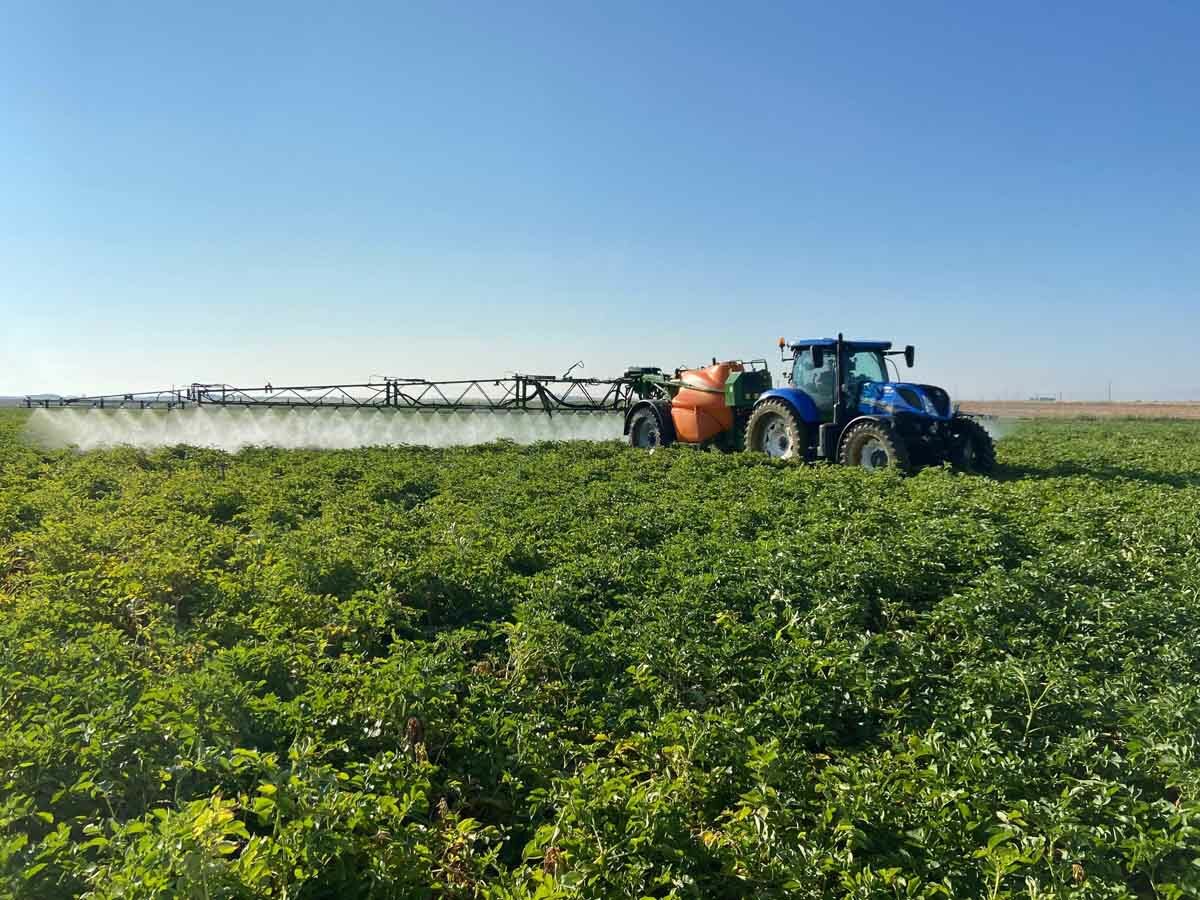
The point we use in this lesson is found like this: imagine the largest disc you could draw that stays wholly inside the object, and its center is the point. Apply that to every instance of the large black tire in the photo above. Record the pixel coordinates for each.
(874, 445)
(646, 431)
(972, 449)
(775, 429)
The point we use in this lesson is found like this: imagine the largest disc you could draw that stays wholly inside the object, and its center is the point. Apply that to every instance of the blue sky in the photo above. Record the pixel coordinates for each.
(302, 192)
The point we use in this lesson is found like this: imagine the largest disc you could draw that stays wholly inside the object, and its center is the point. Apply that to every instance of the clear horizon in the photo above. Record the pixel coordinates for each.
(300, 194)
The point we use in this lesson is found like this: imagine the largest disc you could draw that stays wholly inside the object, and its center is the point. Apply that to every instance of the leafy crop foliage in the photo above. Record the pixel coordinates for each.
(580, 670)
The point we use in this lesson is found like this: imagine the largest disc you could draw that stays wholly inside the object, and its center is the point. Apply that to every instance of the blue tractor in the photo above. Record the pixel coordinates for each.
(837, 404)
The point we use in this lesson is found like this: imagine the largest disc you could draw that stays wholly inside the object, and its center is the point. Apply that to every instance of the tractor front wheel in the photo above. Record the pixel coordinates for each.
(874, 445)
(776, 430)
(972, 447)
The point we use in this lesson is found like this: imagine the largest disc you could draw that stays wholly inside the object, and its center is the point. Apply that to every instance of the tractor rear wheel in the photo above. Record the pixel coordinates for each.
(776, 430)
(874, 445)
(645, 430)
(973, 450)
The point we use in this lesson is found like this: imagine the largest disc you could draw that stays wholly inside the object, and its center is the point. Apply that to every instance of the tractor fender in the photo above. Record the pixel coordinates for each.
(887, 421)
(882, 420)
(661, 409)
(798, 400)
(868, 418)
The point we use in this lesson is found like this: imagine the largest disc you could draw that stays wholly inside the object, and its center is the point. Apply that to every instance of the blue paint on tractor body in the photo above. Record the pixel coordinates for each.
(888, 398)
(797, 399)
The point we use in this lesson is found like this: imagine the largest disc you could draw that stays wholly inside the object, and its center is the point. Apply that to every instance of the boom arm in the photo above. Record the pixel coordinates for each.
(545, 393)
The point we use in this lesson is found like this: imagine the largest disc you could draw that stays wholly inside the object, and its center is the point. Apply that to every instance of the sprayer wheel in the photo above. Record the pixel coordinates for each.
(645, 431)
(874, 445)
(775, 429)
(973, 448)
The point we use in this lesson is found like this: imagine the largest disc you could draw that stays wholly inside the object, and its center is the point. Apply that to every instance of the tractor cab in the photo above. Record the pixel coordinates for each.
(857, 382)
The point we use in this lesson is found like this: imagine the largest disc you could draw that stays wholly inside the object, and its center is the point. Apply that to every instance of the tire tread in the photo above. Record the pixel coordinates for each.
(896, 448)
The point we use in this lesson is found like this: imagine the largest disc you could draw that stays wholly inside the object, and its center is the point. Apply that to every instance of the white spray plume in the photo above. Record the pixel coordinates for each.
(232, 429)
(998, 428)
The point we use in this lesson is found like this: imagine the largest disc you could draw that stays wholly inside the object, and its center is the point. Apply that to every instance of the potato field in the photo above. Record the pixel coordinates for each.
(579, 670)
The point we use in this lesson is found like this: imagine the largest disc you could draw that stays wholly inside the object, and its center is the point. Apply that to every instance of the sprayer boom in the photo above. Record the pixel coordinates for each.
(537, 393)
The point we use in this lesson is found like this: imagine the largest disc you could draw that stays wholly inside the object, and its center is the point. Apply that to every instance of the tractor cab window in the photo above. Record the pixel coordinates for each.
(864, 366)
(817, 383)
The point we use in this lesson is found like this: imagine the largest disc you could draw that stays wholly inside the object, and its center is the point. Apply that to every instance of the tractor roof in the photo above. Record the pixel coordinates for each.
(830, 342)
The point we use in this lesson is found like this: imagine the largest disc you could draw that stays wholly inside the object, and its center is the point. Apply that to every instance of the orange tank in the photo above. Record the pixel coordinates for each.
(698, 411)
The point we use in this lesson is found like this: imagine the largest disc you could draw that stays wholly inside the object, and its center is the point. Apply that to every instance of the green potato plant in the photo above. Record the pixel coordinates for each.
(576, 670)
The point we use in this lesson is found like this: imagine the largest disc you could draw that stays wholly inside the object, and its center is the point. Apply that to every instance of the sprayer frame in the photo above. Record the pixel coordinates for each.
(538, 393)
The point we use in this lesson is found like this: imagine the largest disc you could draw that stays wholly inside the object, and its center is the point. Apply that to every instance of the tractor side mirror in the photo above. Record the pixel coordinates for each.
(818, 358)
(910, 355)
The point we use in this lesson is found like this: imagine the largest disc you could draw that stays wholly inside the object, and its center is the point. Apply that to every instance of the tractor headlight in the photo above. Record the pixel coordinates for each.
(927, 405)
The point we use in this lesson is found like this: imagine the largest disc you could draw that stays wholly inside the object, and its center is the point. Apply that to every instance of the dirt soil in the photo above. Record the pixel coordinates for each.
(1008, 409)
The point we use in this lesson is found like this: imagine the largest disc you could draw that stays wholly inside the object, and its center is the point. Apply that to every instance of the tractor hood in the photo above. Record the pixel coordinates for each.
(899, 397)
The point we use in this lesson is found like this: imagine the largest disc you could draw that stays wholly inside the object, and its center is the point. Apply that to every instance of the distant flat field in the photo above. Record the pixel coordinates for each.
(1036, 410)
